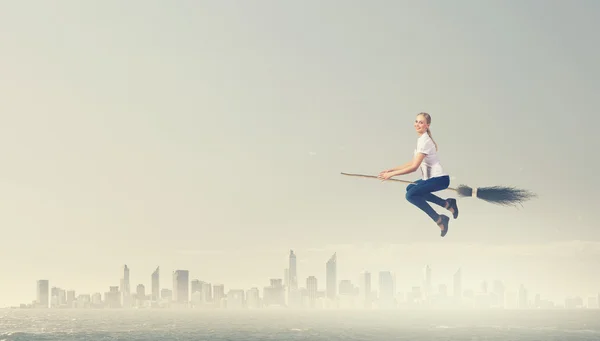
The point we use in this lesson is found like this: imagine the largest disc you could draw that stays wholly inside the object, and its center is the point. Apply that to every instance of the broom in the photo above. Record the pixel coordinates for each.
(499, 195)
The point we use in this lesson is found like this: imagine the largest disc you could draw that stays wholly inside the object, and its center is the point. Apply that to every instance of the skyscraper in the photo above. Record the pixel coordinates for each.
(218, 294)
(207, 292)
(458, 283)
(365, 287)
(71, 298)
(331, 277)
(43, 293)
(181, 280)
(112, 298)
(293, 276)
(196, 286)
(55, 297)
(140, 292)
(312, 288)
(386, 286)
(274, 294)
(156, 284)
(522, 297)
(125, 288)
(252, 298)
(427, 281)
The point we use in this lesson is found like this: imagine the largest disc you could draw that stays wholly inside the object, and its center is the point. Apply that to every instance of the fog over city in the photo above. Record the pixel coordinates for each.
(394, 283)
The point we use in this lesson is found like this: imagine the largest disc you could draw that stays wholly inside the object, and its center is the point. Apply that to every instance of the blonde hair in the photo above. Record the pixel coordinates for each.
(428, 119)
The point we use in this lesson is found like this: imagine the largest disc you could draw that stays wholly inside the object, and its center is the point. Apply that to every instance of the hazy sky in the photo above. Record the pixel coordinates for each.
(209, 136)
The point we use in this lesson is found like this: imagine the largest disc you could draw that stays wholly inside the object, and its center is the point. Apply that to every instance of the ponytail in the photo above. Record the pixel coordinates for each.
(428, 118)
(429, 133)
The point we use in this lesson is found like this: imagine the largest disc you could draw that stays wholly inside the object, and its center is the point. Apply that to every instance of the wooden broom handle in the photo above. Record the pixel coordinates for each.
(376, 177)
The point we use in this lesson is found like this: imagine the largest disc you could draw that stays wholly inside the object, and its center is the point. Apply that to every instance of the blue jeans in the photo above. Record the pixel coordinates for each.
(420, 193)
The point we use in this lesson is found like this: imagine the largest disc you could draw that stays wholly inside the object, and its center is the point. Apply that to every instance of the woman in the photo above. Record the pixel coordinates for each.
(433, 176)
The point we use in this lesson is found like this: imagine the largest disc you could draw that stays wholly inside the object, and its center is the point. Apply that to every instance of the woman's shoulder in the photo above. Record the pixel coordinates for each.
(425, 138)
(425, 145)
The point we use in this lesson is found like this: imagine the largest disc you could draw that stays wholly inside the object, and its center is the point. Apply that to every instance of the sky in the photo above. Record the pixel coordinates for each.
(210, 136)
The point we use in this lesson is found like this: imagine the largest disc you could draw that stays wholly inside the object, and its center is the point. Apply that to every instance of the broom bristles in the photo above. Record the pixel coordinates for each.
(500, 195)
(464, 191)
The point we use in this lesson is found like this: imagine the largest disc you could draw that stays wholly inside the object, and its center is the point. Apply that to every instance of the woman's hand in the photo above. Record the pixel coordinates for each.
(386, 171)
(386, 175)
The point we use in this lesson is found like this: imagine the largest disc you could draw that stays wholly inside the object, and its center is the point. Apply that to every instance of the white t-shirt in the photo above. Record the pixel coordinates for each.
(431, 166)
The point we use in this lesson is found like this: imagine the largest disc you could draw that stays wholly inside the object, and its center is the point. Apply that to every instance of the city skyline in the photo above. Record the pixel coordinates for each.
(387, 293)
(573, 268)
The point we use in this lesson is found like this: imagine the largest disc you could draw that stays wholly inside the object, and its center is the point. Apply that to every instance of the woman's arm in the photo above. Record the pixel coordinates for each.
(396, 168)
(407, 168)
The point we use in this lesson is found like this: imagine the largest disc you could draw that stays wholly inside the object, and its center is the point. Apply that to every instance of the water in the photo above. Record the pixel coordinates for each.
(149, 325)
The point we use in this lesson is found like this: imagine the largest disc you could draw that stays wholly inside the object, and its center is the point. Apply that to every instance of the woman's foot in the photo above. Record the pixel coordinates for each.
(442, 222)
(452, 207)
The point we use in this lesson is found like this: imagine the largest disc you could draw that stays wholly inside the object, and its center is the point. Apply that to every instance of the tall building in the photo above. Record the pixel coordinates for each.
(125, 288)
(386, 286)
(156, 284)
(253, 298)
(58, 297)
(71, 298)
(311, 287)
(365, 287)
(331, 277)
(347, 288)
(196, 286)
(522, 297)
(218, 294)
(207, 295)
(112, 298)
(43, 293)
(458, 283)
(97, 299)
(62, 297)
(166, 294)
(236, 299)
(274, 294)
(293, 276)
(181, 280)
(427, 281)
(141, 292)
(54, 297)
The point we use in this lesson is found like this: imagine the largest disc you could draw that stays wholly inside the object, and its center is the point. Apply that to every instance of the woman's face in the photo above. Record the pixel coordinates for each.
(421, 125)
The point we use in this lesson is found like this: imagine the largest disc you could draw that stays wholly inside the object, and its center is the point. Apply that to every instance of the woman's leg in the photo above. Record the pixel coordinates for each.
(449, 204)
(435, 199)
(419, 193)
(416, 195)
